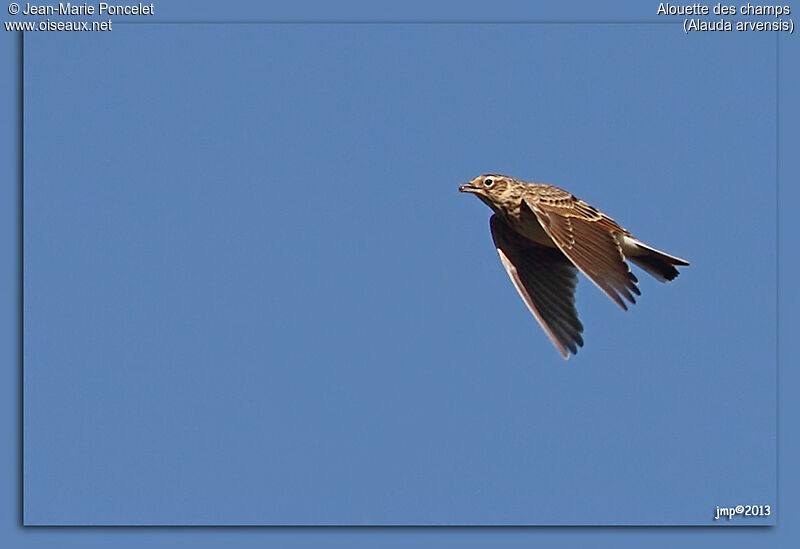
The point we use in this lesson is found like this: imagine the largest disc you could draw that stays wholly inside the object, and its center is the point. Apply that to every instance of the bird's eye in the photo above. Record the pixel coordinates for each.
(488, 182)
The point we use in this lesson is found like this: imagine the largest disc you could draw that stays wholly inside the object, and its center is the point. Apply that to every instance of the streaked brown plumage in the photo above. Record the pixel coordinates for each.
(543, 233)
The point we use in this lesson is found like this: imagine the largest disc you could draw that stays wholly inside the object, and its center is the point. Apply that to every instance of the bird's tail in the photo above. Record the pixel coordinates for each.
(659, 264)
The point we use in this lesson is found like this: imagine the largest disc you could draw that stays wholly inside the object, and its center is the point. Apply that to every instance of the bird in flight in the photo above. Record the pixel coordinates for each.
(544, 235)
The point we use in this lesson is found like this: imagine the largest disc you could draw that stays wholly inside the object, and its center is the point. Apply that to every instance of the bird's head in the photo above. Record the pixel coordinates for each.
(492, 189)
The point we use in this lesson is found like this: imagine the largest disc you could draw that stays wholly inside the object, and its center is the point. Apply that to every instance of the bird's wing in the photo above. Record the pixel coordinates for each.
(545, 280)
(588, 238)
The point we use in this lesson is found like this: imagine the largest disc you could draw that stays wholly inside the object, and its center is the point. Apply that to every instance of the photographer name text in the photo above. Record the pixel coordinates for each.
(102, 8)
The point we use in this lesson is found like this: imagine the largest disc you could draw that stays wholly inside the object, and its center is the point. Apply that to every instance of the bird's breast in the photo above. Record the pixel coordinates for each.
(525, 222)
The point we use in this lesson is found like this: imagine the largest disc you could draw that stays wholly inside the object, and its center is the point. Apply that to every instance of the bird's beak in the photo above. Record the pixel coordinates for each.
(466, 188)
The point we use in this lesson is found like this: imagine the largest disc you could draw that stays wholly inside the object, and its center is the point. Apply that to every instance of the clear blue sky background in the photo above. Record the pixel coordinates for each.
(187, 360)
(254, 296)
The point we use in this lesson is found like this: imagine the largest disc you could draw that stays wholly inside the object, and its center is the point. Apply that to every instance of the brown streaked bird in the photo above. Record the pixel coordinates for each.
(543, 233)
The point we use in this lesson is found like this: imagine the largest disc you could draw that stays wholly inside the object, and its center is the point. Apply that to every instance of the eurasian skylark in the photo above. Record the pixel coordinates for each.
(542, 233)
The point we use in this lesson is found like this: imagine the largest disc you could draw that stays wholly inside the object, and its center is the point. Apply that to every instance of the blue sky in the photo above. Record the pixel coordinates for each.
(169, 286)
(247, 250)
